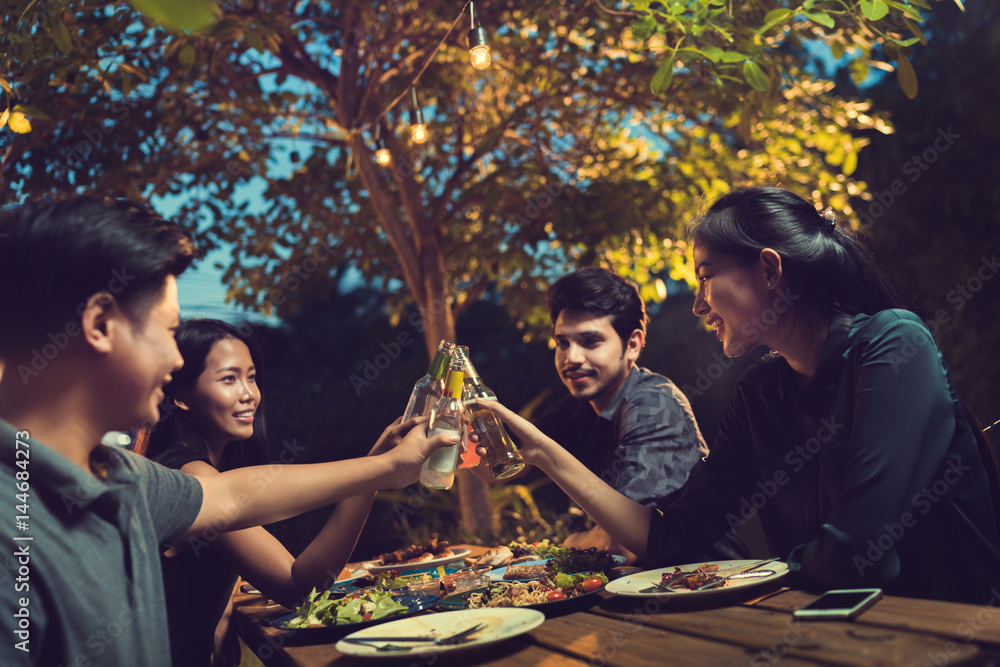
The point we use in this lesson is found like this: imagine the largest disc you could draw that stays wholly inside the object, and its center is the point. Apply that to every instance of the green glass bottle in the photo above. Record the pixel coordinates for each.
(430, 387)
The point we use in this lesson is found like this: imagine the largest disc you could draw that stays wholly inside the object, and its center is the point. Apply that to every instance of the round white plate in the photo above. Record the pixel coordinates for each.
(355, 575)
(501, 624)
(637, 585)
(434, 562)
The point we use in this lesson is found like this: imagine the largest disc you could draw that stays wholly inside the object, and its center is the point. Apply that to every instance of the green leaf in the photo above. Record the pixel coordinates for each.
(907, 77)
(923, 4)
(60, 35)
(774, 17)
(31, 112)
(859, 71)
(664, 75)
(643, 28)
(254, 40)
(732, 57)
(182, 15)
(713, 53)
(874, 10)
(821, 18)
(755, 75)
(186, 56)
(906, 42)
(850, 163)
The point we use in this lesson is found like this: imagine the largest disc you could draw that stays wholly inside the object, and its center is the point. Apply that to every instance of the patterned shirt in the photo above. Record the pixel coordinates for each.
(644, 443)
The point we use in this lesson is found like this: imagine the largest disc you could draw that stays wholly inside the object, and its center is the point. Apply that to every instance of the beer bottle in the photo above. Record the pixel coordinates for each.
(430, 387)
(447, 416)
(501, 454)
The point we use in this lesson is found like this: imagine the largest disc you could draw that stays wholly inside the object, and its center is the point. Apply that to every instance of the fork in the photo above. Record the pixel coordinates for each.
(451, 640)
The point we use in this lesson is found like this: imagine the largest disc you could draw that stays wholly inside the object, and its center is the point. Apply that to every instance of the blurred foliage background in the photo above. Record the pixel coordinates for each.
(595, 138)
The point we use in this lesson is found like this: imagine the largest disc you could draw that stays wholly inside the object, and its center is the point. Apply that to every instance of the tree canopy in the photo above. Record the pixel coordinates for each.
(594, 136)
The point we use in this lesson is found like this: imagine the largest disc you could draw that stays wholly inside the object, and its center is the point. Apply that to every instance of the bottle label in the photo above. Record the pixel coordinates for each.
(445, 459)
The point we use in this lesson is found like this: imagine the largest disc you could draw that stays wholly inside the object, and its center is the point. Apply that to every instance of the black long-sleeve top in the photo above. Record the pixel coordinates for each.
(868, 476)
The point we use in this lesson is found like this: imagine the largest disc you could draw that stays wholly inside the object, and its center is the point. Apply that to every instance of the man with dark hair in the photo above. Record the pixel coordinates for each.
(632, 427)
(88, 305)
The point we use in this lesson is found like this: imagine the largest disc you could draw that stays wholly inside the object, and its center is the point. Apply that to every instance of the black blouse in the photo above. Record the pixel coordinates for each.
(869, 476)
(198, 583)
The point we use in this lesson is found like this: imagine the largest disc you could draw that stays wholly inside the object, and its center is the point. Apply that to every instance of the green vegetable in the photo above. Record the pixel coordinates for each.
(581, 560)
(563, 580)
(321, 610)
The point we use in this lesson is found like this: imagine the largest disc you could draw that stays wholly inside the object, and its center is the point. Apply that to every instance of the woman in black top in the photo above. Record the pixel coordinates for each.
(213, 423)
(849, 438)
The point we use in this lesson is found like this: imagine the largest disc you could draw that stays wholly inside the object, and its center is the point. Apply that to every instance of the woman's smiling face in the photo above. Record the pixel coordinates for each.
(731, 298)
(225, 397)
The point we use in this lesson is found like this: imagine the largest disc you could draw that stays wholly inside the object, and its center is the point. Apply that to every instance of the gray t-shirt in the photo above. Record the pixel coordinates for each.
(80, 581)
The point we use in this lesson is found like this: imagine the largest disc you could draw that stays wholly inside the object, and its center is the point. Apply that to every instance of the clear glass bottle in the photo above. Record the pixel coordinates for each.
(429, 389)
(447, 416)
(501, 453)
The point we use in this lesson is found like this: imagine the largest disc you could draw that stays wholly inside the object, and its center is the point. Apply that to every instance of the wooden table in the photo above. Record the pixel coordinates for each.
(756, 629)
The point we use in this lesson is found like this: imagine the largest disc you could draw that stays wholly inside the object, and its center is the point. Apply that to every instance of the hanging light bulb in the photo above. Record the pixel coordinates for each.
(418, 129)
(382, 155)
(479, 49)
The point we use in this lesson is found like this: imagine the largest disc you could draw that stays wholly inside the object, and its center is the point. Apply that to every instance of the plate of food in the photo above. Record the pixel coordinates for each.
(698, 581)
(347, 576)
(567, 560)
(415, 636)
(538, 594)
(417, 557)
(323, 614)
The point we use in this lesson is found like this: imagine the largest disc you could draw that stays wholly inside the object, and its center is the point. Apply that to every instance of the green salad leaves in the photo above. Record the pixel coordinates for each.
(320, 610)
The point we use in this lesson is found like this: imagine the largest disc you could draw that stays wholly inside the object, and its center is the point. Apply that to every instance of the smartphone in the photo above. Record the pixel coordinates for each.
(839, 605)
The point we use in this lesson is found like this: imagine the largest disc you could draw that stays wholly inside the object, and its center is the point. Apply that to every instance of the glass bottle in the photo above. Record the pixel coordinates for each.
(447, 416)
(501, 454)
(430, 387)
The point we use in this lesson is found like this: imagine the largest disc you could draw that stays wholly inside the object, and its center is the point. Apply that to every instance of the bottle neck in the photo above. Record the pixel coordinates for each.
(439, 365)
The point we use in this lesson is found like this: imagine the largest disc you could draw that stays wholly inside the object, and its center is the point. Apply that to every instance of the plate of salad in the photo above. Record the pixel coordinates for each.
(324, 614)
(540, 594)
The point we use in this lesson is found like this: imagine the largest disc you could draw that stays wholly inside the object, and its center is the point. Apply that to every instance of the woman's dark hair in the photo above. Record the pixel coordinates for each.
(599, 292)
(195, 340)
(827, 264)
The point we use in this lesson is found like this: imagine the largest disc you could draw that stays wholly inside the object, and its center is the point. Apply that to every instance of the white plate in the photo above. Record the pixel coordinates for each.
(633, 584)
(501, 624)
(355, 575)
(434, 562)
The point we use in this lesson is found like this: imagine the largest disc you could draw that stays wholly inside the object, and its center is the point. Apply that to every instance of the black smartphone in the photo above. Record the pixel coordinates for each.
(839, 605)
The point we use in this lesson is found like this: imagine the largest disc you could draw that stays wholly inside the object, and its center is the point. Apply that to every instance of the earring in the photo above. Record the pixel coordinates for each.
(768, 283)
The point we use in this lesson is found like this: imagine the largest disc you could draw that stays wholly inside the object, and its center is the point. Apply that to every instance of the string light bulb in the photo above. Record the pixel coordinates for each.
(418, 129)
(479, 49)
(382, 155)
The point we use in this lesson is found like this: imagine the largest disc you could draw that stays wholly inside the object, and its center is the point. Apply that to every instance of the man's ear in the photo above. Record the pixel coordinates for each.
(97, 321)
(634, 345)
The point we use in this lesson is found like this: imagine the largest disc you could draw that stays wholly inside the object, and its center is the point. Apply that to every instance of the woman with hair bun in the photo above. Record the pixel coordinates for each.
(848, 438)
